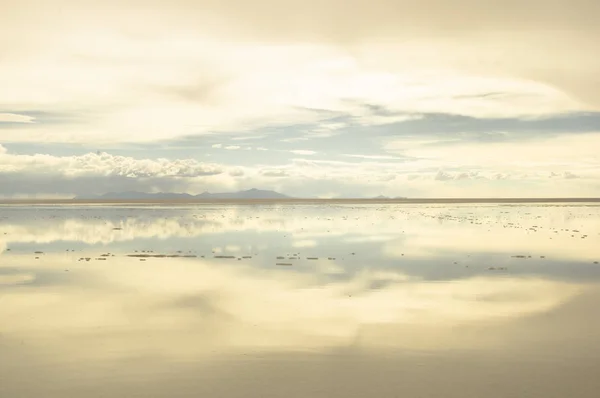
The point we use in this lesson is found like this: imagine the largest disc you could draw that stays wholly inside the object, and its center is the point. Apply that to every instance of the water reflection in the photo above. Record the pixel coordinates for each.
(411, 288)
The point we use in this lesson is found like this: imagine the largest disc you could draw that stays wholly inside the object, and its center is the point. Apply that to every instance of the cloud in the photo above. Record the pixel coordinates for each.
(322, 130)
(566, 175)
(303, 152)
(467, 176)
(236, 172)
(97, 173)
(248, 137)
(536, 154)
(569, 176)
(274, 173)
(443, 176)
(374, 157)
(146, 81)
(104, 164)
(510, 92)
(15, 118)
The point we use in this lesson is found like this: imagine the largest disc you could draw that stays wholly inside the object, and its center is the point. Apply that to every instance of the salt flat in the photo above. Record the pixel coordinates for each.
(300, 299)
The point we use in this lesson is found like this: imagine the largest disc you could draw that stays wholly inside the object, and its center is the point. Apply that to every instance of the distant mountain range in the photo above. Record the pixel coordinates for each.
(133, 195)
(381, 197)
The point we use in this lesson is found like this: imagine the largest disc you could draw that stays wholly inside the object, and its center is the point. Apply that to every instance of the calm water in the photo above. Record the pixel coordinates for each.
(370, 300)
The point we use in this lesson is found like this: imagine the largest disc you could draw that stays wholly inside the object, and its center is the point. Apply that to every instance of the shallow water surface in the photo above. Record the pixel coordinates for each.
(293, 300)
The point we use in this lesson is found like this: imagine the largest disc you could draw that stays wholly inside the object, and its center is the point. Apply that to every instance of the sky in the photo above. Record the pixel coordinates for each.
(327, 98)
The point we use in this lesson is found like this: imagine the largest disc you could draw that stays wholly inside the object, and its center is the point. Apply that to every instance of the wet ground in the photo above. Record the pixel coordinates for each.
(300, 300)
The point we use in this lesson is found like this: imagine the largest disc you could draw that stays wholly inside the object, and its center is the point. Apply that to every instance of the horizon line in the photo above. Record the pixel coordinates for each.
(440, 200)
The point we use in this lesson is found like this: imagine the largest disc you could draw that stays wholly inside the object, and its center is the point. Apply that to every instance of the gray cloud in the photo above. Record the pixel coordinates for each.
(50, 184)
(566, 175)
(443, 176)
(274, 173)
(569, 176)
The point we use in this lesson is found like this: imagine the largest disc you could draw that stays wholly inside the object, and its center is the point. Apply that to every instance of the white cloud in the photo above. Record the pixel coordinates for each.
(303, 152)
(374, 157)
(46, 175)
(25, 175)
(236, 172)
(14, 118)
(105, 164)
(323, 130)
(543, 154)
(303, 64)
(145, 80)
